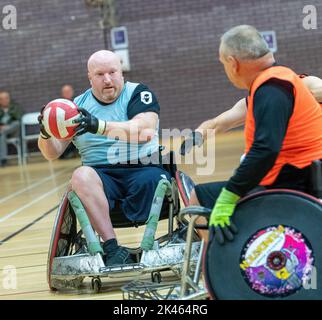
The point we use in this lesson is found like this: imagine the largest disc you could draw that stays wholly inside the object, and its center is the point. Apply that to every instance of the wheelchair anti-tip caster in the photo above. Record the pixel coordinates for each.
(96, 284)
(156, 277)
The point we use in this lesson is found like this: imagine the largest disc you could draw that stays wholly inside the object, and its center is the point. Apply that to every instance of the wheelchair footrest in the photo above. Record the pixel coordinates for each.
(122, 268)
(169, 255)
(78, 264)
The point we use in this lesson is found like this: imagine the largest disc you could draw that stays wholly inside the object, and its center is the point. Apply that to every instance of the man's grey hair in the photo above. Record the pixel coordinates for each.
(244, 42)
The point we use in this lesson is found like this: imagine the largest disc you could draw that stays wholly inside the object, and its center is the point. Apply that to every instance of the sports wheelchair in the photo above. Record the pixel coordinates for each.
(75, 250)
(277, 251)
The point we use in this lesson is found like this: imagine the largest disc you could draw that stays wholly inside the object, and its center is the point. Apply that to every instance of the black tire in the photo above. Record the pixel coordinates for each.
(222, 264)
(96, 285)
(63, 235)
(156, 277)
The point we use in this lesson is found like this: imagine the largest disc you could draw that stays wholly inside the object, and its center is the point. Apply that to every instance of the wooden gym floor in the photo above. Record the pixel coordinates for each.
(29, 197)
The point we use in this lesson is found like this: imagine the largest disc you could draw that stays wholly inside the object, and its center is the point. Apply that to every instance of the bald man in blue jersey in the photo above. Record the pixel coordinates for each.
(117, 137)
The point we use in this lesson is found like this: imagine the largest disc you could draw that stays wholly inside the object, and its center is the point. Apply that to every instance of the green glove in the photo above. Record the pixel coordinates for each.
(220, 216)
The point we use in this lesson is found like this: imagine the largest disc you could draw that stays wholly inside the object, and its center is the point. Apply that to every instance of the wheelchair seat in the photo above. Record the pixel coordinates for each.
(119, 219)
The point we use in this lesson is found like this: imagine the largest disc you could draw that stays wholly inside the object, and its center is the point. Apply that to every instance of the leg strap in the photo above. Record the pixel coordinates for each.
(93, 243)
(163, 188)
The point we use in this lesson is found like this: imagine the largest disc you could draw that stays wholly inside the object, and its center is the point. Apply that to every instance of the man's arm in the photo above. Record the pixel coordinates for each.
(315, 86)
(142, 111)
(236, 116)
(140, 129)
(273, 107)
(227, 120)
(52, 148)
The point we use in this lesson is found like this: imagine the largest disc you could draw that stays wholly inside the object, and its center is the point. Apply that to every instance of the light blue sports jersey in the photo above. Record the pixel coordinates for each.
(101, 150)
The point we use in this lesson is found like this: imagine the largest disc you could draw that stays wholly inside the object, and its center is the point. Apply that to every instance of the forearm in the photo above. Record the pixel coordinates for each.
(220, 124)
(227, 120)
(11, 128)
(134, 131)
(52, 148)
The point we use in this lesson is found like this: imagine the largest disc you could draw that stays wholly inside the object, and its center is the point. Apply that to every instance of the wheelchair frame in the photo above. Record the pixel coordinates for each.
(69, 261)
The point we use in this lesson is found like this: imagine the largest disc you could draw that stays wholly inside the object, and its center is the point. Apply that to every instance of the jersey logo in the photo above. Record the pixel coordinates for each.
(146, 97)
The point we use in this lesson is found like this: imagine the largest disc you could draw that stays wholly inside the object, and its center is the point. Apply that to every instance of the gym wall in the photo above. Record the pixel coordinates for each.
(173, 49)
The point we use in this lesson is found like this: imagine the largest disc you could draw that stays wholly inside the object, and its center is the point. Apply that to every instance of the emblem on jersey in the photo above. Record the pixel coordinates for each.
(146, 97)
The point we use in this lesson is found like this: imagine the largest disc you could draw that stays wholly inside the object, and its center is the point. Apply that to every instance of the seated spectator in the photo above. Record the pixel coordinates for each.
(10, 115)
(67, 92)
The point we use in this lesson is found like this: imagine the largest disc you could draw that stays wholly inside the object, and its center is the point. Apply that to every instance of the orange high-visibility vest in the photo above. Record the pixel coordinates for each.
(303, 140)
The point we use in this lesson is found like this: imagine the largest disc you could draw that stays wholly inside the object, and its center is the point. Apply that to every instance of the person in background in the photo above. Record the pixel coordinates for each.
(67, 92)
(10, 115)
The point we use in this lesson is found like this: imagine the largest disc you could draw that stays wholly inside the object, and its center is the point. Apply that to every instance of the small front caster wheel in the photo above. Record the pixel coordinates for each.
(156, 277)
(96, 285)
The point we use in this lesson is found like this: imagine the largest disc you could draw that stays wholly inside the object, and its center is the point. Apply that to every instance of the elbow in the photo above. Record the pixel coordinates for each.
(145, 135)
(47, 155)
(50, 157)
(271, 154)
(266, 152)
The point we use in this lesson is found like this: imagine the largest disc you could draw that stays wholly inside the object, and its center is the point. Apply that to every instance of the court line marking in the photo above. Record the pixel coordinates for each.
(61, 296)
(27, 226)
(33, 185)
(27, 267)
(23, 255)
(21, 293)
(13, 213)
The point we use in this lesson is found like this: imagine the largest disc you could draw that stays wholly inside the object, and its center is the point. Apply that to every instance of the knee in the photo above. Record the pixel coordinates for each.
(84, 179)
(193, 201)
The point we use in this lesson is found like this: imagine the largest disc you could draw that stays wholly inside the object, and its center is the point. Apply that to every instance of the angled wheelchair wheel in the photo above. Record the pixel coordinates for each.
(63, 236)
(185, 186)
(276, 253)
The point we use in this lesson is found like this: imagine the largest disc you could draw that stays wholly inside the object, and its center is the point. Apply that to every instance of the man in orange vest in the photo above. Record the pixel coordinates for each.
(235, 117)
(283, 128)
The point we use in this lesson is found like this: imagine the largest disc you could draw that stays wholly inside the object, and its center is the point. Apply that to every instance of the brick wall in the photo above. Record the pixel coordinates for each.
(173, 49)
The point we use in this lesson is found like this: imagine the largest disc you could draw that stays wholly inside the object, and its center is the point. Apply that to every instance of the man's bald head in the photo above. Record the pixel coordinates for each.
(103, 57)
(105, 75)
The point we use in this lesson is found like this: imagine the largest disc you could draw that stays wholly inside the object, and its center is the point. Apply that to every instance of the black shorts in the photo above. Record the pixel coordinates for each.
(132, 187)
(207, 193)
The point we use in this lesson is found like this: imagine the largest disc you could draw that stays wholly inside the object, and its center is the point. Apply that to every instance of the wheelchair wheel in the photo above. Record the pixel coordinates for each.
(156, 277)
(96, 284)
(276, 253)
(185, 186)
(63, 236)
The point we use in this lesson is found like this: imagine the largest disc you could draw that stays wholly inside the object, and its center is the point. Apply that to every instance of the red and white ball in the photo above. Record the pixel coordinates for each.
(58, 117)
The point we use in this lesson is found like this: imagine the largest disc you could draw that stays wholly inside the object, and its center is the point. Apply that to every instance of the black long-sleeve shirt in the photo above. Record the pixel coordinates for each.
(273, 107)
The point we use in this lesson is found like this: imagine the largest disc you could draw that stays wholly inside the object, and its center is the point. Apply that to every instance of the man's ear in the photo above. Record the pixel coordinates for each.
(89, 78)
(234, 63)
